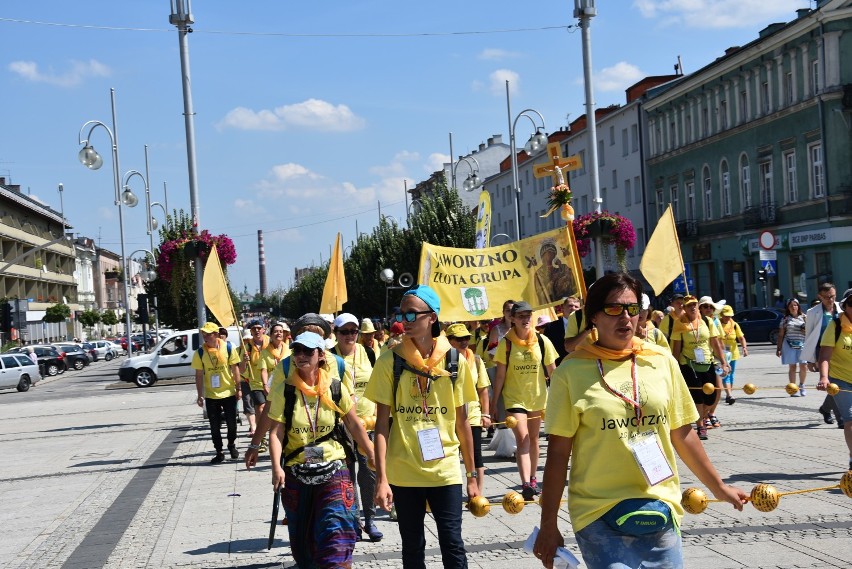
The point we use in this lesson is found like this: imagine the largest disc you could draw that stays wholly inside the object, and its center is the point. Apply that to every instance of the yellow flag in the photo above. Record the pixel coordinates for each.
(662, 261)
(483, 221)
(334, 291)
(217, 296)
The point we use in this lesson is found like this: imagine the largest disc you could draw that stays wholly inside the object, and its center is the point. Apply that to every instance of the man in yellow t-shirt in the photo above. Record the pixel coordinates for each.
(254, 392)
(216, 366)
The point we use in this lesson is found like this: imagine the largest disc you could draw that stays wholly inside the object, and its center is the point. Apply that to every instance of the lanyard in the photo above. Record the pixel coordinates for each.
(314, 425)
(696, 331)
(215, 362)
(424, 394)
(637, 406)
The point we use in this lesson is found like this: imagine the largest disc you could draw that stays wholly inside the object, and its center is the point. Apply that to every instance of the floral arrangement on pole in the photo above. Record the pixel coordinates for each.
(613, 229)
(560, 198)
(174, 263)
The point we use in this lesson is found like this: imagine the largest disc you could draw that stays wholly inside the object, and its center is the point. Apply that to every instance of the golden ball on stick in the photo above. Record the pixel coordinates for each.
(749, 388)
(791, 388)
(370, 423)
(765, 497)
(846, 483)
(694, 500)
(542, 414)
(708, 388)
(832, 389)
(513, 503)
(511, 422)
(479, 506)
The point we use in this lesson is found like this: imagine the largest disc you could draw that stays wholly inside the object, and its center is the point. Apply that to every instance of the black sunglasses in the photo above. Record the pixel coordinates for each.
(617, 309)
(300, 349)
(410, 316)
(346, 332)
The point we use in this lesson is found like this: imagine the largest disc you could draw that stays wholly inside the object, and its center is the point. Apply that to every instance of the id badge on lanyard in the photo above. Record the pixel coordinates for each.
(649, 457)
(431, 447)
(215, 382)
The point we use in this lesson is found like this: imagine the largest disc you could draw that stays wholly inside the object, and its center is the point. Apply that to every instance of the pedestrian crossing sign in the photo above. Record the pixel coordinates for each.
(771, 268)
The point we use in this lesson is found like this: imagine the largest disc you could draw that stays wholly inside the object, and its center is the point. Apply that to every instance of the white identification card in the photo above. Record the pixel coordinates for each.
(214, 381)
(699, 355)
(431, 447)
(650, 458)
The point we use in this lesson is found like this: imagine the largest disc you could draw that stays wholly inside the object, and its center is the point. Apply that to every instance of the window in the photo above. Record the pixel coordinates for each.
(743, 106)
(658, 141)
(624, 142)
(582, 169)
(627, 193)
(725, 181)
(788, 88)
(672, 136)
(823, 268)
(585, 203)
(765, 169)
(764, 97)
(612, 135)
(791, 189)
(705, 122)
(603, 198)
(660, 203)
(745, 182)
(637, 189)
(634, 138)
(601, 156)
(673, 199)
(615, 178)
(690, 201)
(723, 115)
(815, 75)
(708, 195)
(640, 240)
(815, 170)
(688, 136)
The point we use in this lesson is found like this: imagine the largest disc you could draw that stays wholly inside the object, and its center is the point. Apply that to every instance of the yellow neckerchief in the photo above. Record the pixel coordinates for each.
(217, 350)
(595, 352)
(729, 327)
(320, 389)
(255, 351)
(845, 324)
(470, 356)
(531, 340)
(409, 352)
(279, 356)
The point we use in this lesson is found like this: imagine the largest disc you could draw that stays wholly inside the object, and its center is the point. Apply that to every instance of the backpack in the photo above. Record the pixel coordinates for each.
(540, 347)
(341, 366)
(201, 352)
(399, 364)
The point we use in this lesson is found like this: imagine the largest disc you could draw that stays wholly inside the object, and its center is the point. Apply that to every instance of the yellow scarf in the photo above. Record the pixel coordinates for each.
(595, 352)
(409, 352)
(255, 351)
(470, 357)
(531, 340)
(319, 390)
(279, 356)
(845, 324)
(214, 353)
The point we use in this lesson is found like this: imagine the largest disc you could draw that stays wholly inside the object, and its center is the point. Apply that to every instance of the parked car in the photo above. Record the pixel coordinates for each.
(760, 324)
(18, 370)
(117, 347)
(75, 356)
(137, 347)
(51, 361)
(103, 349)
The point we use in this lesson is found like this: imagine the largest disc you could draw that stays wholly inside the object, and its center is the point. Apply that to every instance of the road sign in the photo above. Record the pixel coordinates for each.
(771, 267)
(768, 255)
(678, 284)
(766, 240)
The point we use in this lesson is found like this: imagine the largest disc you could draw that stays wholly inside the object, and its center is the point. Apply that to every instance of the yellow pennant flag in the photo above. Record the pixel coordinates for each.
(217, 296)
(483, 221)
(334, 291)
(662, 261)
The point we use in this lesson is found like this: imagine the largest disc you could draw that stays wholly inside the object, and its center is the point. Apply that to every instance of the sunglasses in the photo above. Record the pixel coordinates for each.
(300, 349)
(410, 316)
(256, 328)
(346, 332)
(617, 309)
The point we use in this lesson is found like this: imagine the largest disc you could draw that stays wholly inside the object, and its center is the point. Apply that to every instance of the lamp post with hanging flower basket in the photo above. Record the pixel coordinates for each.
(611, 228)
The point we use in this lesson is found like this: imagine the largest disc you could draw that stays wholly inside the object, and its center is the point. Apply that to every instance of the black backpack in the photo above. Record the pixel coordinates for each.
(399, 364)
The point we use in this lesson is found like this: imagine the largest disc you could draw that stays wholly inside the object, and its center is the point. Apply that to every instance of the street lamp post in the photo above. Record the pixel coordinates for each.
(473, 180)
(493, 237)
(89, 157)
(537, 141)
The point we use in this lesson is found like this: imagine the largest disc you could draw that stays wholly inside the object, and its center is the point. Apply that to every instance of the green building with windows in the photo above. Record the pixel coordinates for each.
(761, 140)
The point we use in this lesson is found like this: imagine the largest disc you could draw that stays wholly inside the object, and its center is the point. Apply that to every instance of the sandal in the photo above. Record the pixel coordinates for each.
(714, 421)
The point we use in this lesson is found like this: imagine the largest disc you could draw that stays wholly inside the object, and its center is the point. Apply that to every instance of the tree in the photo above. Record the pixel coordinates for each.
(57, 313)
(109, 318)
(89, 318)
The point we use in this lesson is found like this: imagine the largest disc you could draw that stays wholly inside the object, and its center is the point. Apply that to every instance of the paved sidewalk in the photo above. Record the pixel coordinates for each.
(121, 480)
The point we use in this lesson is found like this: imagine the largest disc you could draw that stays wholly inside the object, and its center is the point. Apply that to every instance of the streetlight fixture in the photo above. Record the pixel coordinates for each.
(473, 180)
(90, 158)
(536, 142)
(493, 237)
(386, 275)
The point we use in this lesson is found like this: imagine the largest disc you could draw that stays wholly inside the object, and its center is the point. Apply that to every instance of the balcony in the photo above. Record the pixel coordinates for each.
(687, 228)
(759, 215)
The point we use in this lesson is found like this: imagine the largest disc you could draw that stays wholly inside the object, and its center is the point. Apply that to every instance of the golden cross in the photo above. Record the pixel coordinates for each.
(557, 164)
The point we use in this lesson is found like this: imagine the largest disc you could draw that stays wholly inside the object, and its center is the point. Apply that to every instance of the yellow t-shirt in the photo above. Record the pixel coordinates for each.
(358, 370)
(730, 333)
(217, 367)
(693, 337)
(840, 365)
(300, 433)
(481, 350)
(480, 376)
(603, 469)
(525, 384)
(655, 336)
(277, 375)
(271, 357)
(572, 329)
(252, 373)
(405, 465)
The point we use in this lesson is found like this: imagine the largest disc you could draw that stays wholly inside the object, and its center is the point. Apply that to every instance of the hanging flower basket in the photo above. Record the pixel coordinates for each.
(612, 228)
(174, 263)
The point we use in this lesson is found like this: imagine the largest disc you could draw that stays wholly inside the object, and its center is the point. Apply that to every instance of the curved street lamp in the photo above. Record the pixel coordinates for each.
(493, 237)
(90, 158)
(536, 142)
(473, 180)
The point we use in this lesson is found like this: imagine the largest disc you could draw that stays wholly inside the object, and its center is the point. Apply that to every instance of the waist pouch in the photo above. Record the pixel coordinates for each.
(698, 366)
(795, 344)
(639, 516)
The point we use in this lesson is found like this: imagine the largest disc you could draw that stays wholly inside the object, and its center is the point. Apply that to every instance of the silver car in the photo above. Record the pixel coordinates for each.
(18, 370)
(104, 349)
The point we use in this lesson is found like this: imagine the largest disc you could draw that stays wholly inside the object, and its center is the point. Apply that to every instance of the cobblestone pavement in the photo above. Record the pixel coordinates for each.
(120, 479)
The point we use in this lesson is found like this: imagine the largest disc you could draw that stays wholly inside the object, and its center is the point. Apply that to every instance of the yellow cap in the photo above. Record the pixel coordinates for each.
(458, 330)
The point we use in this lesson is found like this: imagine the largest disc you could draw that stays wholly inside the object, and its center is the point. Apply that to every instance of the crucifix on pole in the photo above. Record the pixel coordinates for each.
(557, 164)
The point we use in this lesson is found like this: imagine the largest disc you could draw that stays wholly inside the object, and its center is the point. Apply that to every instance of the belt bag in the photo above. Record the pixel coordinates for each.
(795, 344)
(639, 516)
(697, 366)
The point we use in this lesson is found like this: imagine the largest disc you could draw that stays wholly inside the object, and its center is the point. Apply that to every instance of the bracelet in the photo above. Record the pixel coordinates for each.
(486, 415)
(254, 447)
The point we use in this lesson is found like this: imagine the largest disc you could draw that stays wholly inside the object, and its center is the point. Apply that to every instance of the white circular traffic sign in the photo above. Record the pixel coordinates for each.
(766, 240)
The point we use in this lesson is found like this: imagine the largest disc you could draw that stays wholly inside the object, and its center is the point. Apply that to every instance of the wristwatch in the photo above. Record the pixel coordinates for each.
(471, 474)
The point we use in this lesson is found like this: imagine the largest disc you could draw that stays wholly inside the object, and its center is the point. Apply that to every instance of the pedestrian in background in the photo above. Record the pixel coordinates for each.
(816, 321)
(732, 336)
(835, 364)
(791, 343)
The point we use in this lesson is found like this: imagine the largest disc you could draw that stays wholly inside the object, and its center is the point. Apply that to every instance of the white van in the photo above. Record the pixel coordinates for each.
(171, 357)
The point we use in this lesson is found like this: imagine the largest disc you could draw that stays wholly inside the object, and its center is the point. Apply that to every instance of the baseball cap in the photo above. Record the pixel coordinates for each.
(210, 328)
(458, 330)
(727, 310)
(312, 318)
(521, 306)
(543, 320)
(689, 299)
(254, 322)
(310, 340)
(397, 329)
(677, 296)
(345, 318)
(427, 295)
(846, 296)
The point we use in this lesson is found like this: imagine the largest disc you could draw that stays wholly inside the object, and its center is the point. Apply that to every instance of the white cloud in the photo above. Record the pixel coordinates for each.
(717, 13)
(79, 71)
(291, 170)
(496, 54)
(497, 82)
(313, 114)
(436, 162)
(616, 78)
(106, 213)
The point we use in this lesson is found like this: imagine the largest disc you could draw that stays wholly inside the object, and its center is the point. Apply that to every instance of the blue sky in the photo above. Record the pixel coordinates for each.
(307, 117)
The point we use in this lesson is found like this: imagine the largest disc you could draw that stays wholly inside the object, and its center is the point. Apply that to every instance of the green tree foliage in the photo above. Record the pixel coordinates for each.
(89, 318)
(57, 313)
(109, 318)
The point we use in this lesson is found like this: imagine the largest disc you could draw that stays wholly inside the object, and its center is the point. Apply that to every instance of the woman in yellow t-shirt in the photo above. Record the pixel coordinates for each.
(835, 364)
(621, 407)
(419, 461)
(521, 379)
(732, 334)
(318, 493)
(478, 415)
(645, 329)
